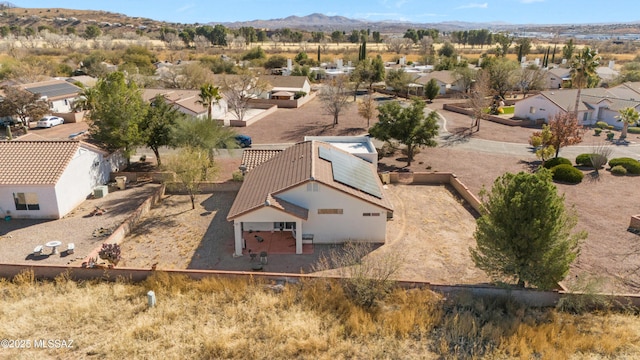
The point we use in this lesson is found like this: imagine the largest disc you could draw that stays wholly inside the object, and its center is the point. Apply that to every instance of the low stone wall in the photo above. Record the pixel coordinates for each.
(270, 109)
(206, 187)
(530, 297)
(424, 178)
(284, 104)
(155, 176)
(460, 109)
(73, 117)
(124, 229)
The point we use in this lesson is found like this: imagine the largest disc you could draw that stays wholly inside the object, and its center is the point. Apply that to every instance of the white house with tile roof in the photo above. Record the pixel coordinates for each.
(59, 94)
(48, 179)
(187, 102)
(316, 191)
(595, 104)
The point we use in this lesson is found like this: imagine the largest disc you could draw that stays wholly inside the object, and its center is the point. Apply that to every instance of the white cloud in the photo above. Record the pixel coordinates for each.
(185, 8)
(474, 6)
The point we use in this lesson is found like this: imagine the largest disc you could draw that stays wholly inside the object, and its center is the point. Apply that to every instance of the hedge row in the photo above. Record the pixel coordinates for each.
(631, 165)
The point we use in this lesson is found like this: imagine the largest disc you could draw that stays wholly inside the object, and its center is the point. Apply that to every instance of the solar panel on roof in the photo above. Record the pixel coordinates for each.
(351, 171)
(54, 90)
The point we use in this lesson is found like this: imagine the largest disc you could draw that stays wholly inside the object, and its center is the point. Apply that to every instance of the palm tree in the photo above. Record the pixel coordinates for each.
(627, 116)
(583, 66)
(87, 98)
(209, 96)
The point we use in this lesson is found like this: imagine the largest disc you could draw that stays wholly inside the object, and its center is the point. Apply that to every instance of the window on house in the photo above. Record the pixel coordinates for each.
(26, 201)
(312, 187)
(329, 211)
(371, 214)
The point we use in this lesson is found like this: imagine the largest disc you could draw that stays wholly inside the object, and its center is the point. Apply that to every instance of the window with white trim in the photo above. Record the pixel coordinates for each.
(329, 211)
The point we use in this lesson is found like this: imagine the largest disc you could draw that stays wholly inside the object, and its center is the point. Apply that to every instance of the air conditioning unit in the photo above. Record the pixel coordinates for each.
(100, 191)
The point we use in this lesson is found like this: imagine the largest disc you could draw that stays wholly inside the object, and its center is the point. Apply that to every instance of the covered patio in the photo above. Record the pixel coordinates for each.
(272, 242)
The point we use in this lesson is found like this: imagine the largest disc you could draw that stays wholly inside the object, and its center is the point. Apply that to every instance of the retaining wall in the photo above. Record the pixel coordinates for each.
(461, 109)
(530, 297)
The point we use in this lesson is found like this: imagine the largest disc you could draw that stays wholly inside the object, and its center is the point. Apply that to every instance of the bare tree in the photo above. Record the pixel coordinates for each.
(368, 109)
(398, 44)
(173, 41)
(239, 89)
(425, 45)
(479, 98)
(335, 96)
(201, 42)
(23, 104)
(530, 78)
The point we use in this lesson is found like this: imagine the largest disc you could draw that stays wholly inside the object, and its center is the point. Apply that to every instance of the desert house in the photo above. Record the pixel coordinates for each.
(48, 179)
(595, 105)
(187, 102)
(316, 193)
(59, 95)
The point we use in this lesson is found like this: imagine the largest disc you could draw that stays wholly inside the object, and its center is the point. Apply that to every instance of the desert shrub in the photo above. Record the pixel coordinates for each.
(587, 159)
(556, 161)
(610, 127)
(618, 170)
(567, 173)
(633, 130)
(631, 165)
(237, 176)
(602, 125)
(597, 131)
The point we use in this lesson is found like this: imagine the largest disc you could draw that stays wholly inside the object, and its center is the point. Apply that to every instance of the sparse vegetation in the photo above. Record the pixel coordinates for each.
(218, 317)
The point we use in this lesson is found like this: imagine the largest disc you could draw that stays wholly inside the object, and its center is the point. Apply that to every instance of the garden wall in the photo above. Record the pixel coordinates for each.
(461, 109)
(529, 297)
(285, 104)
(269, 109)
(420, 178)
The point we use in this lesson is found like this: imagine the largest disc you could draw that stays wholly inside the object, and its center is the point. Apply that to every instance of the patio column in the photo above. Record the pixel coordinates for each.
(237, 230)
(298, 237)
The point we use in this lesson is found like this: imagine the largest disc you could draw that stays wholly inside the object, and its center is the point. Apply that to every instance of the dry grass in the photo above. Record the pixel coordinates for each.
(242, 318)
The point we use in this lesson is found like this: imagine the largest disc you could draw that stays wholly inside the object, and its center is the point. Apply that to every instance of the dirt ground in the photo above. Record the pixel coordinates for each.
(431, 231)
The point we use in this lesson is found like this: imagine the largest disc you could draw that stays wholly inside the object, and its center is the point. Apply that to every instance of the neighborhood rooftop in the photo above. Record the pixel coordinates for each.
(35, 162)
(301, 163)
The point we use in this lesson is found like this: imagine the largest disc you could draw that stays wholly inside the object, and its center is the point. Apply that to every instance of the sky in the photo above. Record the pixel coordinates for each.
(419, 11)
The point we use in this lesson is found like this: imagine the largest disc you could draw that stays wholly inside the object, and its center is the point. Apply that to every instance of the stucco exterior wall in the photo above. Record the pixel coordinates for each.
(351, 225)
(46, 200)
(81, 176)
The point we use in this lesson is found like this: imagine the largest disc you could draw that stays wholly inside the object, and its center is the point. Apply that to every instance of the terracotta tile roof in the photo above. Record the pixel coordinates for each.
(254, 157)
(292, 167)
(35, 162)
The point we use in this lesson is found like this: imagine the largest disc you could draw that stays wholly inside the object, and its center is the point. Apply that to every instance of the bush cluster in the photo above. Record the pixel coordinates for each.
(551, 163)
(618, 170)
(567, 173)
(602, 125)
(631, 165)
(585, 159)
(633, 130)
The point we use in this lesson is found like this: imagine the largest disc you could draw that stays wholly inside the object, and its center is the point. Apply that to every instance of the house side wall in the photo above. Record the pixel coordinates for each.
(46, 200)
(82, 175)
(337, 228)
(262, 219)
(543, 108)
(61, 105)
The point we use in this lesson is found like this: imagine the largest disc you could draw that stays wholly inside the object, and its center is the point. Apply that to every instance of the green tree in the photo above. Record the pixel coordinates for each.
(159, 124)
(503, 43)
(208, 97)
(502, 74)
(23, 104)
(208, 135)
(117, 114)
(187, 166)
(408, 125)
(583, 66)
(337, 36)
(447, 50)
(568, 49)
(431, 90)
(399, 80)
(92, 32)
(139, 58)
(524, 233)
(628, 116)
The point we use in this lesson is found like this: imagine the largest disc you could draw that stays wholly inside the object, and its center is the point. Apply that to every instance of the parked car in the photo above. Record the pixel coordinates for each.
(49, 121)
(243, 141)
